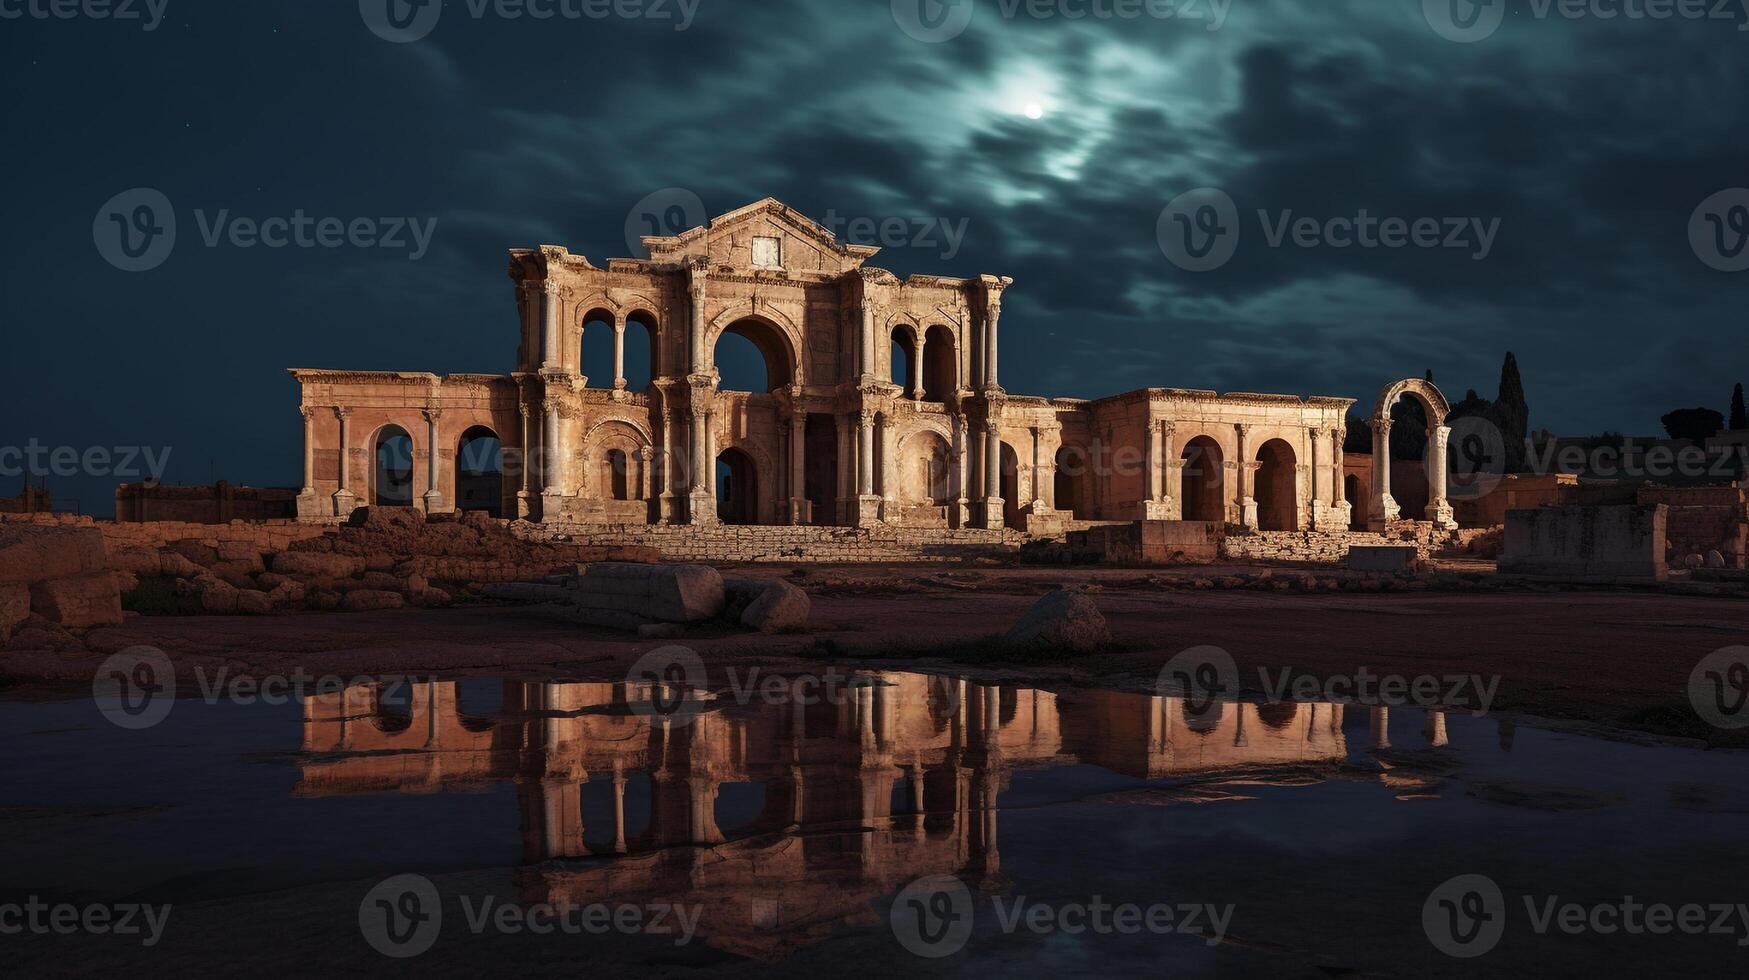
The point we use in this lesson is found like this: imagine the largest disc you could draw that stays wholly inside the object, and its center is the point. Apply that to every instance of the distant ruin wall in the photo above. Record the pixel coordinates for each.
(1579, 542)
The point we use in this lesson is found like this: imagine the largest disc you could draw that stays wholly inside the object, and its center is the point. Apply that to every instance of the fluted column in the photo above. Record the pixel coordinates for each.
(917, 368)
(646, 478)
(865, 343)
(433, 462)
(1247, 498)
(962, 451)
(993, 477)
(992, 361)
(695, 356)
(888, 471)
(549, 325)
(552, 463)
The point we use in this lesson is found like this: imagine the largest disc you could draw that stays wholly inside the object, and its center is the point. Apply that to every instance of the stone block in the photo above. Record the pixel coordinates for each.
(315, 564)
(81, 601)
(780, 607)
(365, 600)
(669, 593)
(1617, 541)
(1062, 620)
(1390, 559)
(36, 553)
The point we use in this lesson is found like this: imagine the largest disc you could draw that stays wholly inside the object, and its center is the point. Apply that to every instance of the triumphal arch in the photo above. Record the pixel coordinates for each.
(883, 404)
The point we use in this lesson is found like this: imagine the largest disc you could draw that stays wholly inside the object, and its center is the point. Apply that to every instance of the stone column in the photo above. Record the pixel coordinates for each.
(993, 477)
(990, 359)
(696, 356)
(524, 462)
(798, 438)
(1438, 507)
(1170, 505)
(701, 507)
(1247, 499)
(961, 453)
(846, 475)
(917, 368)
(888, 470)
(646, 482)
(433, 462)
(549, 326)
(710, 456)
(1320, 510)
(309, 415)
(1047, 475)
(1384, 506)
(1038, 504)
(865, 454)
(1150, 464)
(665, 502)
(1338, 498)
(619, 354)
(344, 498)
(552, 463)
(619, 811)
(865, 343)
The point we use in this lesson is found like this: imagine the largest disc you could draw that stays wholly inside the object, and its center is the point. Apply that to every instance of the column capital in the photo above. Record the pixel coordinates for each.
(1317, 431)
(432, 414)
(1379, 425)
(866, 417)
(550, 286)
(646, 454)
(308, 412)
(342, 413)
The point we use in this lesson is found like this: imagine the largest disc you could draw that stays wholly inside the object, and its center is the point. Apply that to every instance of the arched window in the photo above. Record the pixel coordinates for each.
(392, 479)
(479, 472)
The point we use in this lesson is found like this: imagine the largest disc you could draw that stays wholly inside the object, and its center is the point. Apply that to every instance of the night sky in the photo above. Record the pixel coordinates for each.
(1052, 143)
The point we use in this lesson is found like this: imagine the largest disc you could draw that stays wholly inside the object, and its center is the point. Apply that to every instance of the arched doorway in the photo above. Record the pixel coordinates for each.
(1356, 503)
(595, 348)
(1204, 488)
(479, 472)
(392, 474)
(939, 359)
(737, 488)
(1011, 502)
(1277, 488)
(640, 350)
(617, 478)
(753, 355)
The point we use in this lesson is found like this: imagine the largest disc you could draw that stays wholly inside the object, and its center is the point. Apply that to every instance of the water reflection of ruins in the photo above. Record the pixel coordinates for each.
(784, 820)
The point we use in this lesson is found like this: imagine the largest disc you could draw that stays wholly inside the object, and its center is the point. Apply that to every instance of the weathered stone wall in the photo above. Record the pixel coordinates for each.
(220, 503)
(824, 545)
(1611, 542)
(1331, 548)
(1149, 542)
(1704, 519)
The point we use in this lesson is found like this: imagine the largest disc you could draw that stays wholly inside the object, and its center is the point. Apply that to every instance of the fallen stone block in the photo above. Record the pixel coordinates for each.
(668, 593)
(173, 564)
(253, 603)
(1380, 558)
(315, 564)
(776, 606)
(1062, 620)
(81, 601)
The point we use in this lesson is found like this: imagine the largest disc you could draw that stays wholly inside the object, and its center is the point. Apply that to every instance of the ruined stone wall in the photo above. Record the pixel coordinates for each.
(1704, 519)
(1332, 548)
(824, 545)
(1578, 542)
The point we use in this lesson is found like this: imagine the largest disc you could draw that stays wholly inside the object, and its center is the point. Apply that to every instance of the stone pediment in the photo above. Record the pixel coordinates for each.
(764, 238)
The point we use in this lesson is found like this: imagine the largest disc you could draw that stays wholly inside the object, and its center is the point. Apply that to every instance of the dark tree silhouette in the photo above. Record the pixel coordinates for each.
(1696, 424)
(1739, 418)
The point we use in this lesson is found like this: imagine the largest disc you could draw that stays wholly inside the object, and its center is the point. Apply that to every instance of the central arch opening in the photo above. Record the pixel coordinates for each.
(392, 476)
(1204, 485)
(479, 472)
(939, 377)
(737, 488)
(753, 355)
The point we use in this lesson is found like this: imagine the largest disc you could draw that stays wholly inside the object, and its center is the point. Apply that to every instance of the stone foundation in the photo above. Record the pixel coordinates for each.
(822, 545)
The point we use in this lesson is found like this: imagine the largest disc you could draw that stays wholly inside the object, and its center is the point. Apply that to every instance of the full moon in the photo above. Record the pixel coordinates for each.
(1034, 111)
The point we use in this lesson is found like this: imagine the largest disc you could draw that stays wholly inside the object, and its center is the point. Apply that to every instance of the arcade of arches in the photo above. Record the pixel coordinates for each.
(816, 391)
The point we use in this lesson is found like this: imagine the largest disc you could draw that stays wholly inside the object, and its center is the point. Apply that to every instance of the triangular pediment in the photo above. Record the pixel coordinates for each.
(766, 236)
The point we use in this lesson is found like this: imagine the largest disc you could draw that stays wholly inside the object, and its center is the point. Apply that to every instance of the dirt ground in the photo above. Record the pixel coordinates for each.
(1620, 658)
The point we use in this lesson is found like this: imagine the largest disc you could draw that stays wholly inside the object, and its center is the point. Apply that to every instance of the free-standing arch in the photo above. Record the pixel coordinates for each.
(774, 340)
(479, 472)
(391, 480)
(1204, 482)
(1278, 504)
(1384, 507)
